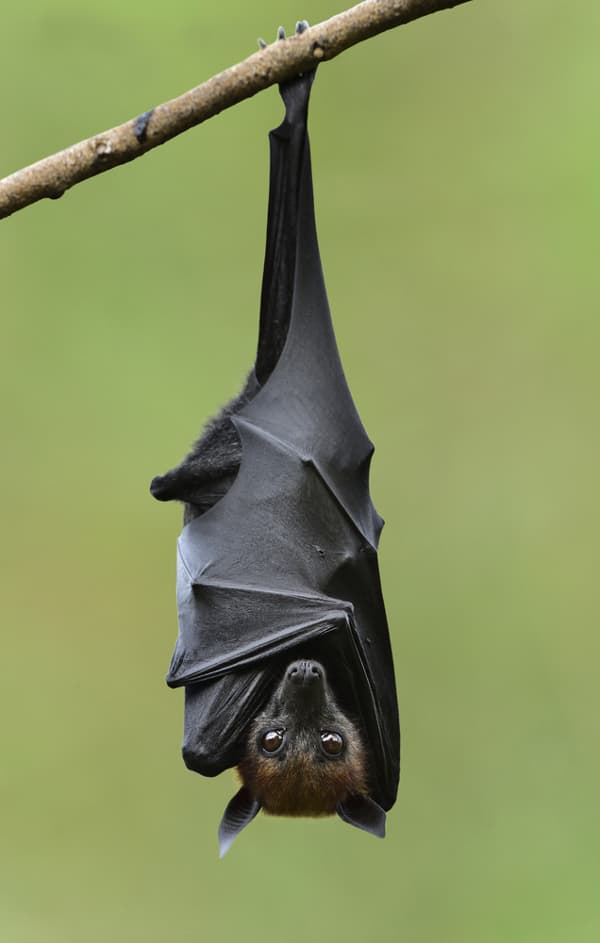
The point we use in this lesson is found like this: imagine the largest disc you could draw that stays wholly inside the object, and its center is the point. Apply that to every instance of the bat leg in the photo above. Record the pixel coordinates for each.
(289, 151)
(295, 92)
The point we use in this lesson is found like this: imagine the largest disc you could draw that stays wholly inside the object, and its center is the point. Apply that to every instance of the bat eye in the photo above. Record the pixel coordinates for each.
(271, 741)
(332, 743)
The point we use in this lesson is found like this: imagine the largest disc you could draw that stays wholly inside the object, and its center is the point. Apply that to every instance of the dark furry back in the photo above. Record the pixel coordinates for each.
(209, 469)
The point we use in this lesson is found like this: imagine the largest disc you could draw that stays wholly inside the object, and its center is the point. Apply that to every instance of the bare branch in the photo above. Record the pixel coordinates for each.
(281, 60)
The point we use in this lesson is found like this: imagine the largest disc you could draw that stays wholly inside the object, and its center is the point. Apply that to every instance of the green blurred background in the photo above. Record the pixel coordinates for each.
(458, 197)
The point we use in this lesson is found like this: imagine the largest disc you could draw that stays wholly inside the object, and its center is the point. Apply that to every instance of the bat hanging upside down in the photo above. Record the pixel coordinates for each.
(283, 645)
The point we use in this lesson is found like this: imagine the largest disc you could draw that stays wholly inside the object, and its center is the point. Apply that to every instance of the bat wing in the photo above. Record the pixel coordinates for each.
(305, 401)
(253, 571)
(287, 559)
(279, 565)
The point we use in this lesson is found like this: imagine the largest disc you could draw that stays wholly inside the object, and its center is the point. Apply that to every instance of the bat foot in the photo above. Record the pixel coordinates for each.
(301, 26)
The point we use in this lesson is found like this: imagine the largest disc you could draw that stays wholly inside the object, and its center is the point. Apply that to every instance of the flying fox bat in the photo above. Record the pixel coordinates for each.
(283, 645)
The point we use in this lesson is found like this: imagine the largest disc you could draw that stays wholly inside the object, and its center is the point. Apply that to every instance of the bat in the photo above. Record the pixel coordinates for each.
(283, 644)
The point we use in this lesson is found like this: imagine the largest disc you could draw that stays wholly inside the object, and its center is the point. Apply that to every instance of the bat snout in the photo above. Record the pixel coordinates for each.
(305, 674)
(305, 685)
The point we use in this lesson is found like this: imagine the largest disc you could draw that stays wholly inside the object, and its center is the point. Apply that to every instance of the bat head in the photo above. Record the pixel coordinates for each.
(303, 757)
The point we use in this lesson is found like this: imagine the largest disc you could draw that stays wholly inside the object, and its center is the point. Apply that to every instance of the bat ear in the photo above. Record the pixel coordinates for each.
(239, 813)
(175, 485)
(179, 485)
(364, 813)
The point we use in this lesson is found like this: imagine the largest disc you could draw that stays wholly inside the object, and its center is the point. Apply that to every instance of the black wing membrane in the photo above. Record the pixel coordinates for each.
(286, 561)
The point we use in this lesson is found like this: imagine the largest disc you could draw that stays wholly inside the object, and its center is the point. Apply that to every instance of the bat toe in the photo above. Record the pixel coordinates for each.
(301, 26)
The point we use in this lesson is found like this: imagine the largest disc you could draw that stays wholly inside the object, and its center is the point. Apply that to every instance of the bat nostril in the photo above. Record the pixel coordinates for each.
(311, 672)
(304, 672)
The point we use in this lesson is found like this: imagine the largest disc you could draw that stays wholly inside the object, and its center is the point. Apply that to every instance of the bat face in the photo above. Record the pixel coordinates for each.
(303, 755)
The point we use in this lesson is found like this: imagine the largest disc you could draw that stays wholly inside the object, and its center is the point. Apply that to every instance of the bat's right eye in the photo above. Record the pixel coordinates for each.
(271, 741)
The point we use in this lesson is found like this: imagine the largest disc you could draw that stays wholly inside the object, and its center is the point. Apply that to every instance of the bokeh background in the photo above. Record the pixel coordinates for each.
(458, 198)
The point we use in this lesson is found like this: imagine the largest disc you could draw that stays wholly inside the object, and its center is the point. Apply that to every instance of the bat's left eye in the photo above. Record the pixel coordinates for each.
(332, 743)
(271, 741)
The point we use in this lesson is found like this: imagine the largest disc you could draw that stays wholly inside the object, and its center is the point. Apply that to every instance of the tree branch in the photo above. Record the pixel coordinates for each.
(281, 60)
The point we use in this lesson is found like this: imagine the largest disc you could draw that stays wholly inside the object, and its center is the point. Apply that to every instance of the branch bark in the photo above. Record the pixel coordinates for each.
(281, 60)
